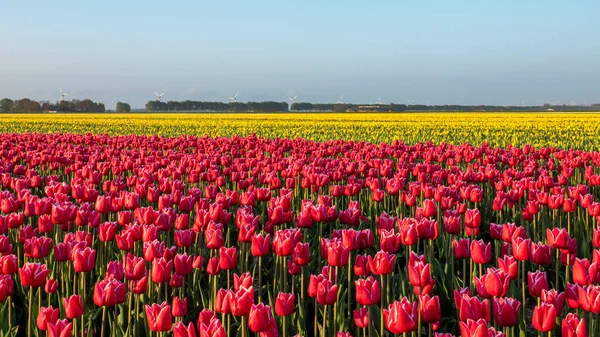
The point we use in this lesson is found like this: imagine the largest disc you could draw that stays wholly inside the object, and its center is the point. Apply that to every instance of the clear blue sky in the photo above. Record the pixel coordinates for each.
(447, 51)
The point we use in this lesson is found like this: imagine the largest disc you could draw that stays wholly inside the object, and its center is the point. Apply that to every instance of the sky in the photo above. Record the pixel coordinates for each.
(437, 52)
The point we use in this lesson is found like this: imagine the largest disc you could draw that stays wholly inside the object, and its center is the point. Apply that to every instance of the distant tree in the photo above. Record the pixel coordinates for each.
(26, 105)
(123, 107)
(6, 105)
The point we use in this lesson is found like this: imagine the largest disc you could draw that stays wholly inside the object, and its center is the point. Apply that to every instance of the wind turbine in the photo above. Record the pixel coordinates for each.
(62, 94)
(341, 101)
(293, 99)
(115, 103)
(158, 96)
(410, 102)
(234, 98)
(379, 101)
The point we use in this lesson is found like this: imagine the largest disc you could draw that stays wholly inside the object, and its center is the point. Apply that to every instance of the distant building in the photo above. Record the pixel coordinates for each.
(372, 108)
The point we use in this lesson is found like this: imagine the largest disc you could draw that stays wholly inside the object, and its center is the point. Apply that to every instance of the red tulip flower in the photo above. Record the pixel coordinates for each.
(521, 248)
(361, 317)
(161, 270)
(430, 309)
(259, 317)
(45, 316)
(536, 282)
(51, 286)
(135, 267)
(382, 263)
(327, 292)
(159, 317)
(181, 330)
(284, 304)
(84, 259)
(242, 301)
(73, 307)
(400, 316)
(33, 274)
(508, 264)
(367, 291)
(461, 248)
(62, 328)
(228, 258)
(558, 238)
(541, 254)
(472, 328)
(544, 317)
(573, 326)
(109, 292)
(481, 252)
(506, 311)
(179, 307)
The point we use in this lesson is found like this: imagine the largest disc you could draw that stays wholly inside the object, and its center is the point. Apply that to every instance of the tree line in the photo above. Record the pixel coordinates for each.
(268, 106)
(28, 105)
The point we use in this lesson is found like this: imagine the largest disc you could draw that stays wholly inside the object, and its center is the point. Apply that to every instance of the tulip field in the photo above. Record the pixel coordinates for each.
(565, 130)
(325, 226)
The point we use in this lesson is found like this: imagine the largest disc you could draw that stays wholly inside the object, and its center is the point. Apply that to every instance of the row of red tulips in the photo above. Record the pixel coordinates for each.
(236, 236)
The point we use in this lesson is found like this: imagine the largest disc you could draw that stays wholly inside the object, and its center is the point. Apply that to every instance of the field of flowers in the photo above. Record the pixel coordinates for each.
(116, 234)
(564, 130)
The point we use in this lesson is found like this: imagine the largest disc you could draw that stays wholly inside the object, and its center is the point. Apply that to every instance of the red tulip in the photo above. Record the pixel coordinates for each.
(589, 298)
(161, 270)
(337, 255)
(558, 238)
(382, 263)
(544, 317)
(159, 317)
(284, 304)
(429, 208)
(472, 308)
(492, 284)
(541, 254)
(37, 247)
(400, 316)
(472, 218)
(135, 268)
(228, 258)
(109, 292)
(461, 248)
(573, 326)
(521, 248)
(241, 301)
(361, 265)
(472, 328)
(47, 315)
(179, 307)
(367, 291)
(584, 273)
(430, 309)
(62, 328)
(536, 282)
(259, 317)
(326, 293)
(8, 264)
(480, 252)
(361, 317)
(555, 298)
(73, 306)
(261, 245)
(506, 311)
(181, 330)
(51, 286)
(223, 301)
(33, 274)
(509, 265)
(244, 280)
(84, 259)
